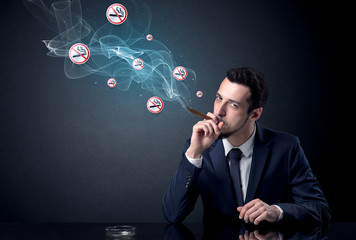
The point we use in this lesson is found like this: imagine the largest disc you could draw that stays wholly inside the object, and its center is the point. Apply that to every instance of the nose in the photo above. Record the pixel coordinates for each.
(220, 109)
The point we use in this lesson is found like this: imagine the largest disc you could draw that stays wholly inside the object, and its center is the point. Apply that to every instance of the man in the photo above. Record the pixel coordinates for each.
(268, 180)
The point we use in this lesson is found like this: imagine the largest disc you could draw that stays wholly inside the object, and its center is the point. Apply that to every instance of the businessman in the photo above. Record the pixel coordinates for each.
(241, 169)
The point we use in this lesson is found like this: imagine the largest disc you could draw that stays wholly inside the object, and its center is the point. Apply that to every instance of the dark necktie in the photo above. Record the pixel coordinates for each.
(235, 156)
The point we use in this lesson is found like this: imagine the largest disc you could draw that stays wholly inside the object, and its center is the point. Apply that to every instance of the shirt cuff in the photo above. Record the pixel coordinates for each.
(281, 214)
(198, 162)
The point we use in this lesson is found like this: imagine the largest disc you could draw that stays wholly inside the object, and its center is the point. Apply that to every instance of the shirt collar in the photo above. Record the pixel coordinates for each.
(246, 148)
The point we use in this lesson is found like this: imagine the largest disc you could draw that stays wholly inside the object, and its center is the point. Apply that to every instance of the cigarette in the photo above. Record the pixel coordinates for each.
(199, 114)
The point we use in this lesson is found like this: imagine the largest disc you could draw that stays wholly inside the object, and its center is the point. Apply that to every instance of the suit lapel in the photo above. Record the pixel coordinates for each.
(222, 172)
(259, 157)
(217, 155)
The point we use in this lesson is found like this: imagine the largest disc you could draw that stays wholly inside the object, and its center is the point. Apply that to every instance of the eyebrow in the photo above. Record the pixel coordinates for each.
(230, 100)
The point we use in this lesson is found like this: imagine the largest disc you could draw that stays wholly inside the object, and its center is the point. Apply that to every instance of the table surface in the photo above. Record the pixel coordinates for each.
(147, 231)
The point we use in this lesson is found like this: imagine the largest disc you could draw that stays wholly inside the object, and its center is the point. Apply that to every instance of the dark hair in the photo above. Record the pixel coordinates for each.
(254, 80)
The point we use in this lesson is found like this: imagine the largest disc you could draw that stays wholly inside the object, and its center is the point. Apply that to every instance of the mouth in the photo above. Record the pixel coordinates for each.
(221, 120)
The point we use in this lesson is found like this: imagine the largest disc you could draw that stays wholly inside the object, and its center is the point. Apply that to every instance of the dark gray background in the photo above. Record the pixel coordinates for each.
(75, 150)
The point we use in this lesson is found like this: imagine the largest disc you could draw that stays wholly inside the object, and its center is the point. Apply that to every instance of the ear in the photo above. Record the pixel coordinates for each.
(256, 113)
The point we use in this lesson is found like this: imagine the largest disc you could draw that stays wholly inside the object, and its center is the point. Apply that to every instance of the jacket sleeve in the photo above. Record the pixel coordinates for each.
(308, 204)
(182, 193)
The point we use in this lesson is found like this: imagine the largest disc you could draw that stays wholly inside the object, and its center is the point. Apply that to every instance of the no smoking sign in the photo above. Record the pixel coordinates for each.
(79, 53)
(111, 82)
(155, 105)
(116, 14)
(138, 63)
(180, 73)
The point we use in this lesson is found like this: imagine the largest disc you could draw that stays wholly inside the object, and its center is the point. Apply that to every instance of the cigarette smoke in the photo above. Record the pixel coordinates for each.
(113, 48)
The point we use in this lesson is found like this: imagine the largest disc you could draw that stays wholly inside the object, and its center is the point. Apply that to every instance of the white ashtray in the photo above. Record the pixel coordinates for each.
(120, 231)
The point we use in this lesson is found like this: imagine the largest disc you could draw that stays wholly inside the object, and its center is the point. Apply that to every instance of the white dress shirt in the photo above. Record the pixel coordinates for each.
(246, 159)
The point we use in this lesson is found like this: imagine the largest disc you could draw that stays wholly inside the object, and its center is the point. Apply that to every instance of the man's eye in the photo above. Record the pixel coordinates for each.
(234, 105)
(218, 97)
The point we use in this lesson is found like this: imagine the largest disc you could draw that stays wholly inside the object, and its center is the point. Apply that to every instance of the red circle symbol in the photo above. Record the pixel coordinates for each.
(138, 63)
(180, 73)
(111, 82)
(116, 14)
(79, 53)
(199, 94)
(149, 37)
(155, 105)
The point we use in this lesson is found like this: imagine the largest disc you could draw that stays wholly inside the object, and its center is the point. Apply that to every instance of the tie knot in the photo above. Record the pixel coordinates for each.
(235, 153)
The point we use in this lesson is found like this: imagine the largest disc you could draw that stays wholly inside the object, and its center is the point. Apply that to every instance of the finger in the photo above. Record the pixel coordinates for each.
(201, 126)
(248, 214)
(258, 235)
(242, 212)
(246, 207)
(198, 129)
(207, 130)
(216, 128)
(213, 127)
(220, 125)
(256, 206)
(213, 117)
(263, 216)
(252, 236)
(255, 209)
(198, 126)
(246, 235)
(253, 215)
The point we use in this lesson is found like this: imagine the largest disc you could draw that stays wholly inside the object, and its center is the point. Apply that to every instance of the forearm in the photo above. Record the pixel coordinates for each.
(308, 202)
(182, 192)
(310, 211)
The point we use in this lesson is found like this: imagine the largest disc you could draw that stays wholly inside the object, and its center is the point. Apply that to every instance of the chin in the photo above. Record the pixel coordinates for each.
(226, 134)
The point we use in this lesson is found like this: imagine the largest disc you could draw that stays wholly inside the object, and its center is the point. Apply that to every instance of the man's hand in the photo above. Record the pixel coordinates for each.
(256, 235)
(203, 135)
(257, 211)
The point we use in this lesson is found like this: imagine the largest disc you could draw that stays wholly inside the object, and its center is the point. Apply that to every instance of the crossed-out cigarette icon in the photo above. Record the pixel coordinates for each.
(82, 52)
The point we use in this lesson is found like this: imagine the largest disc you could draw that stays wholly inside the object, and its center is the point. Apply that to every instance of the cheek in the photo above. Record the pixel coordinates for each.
(234, 120)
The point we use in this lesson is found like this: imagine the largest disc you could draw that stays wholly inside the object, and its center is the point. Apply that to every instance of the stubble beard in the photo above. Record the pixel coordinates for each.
(230, 133)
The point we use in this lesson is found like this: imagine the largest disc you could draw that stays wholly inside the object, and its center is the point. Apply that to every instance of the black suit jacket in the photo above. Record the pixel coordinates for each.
(280, 174)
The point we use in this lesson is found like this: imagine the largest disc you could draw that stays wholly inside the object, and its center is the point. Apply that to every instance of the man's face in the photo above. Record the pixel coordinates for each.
(231, 106)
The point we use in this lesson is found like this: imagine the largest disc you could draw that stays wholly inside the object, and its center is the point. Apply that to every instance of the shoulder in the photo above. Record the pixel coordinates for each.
(273, 137)
(281, 145)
